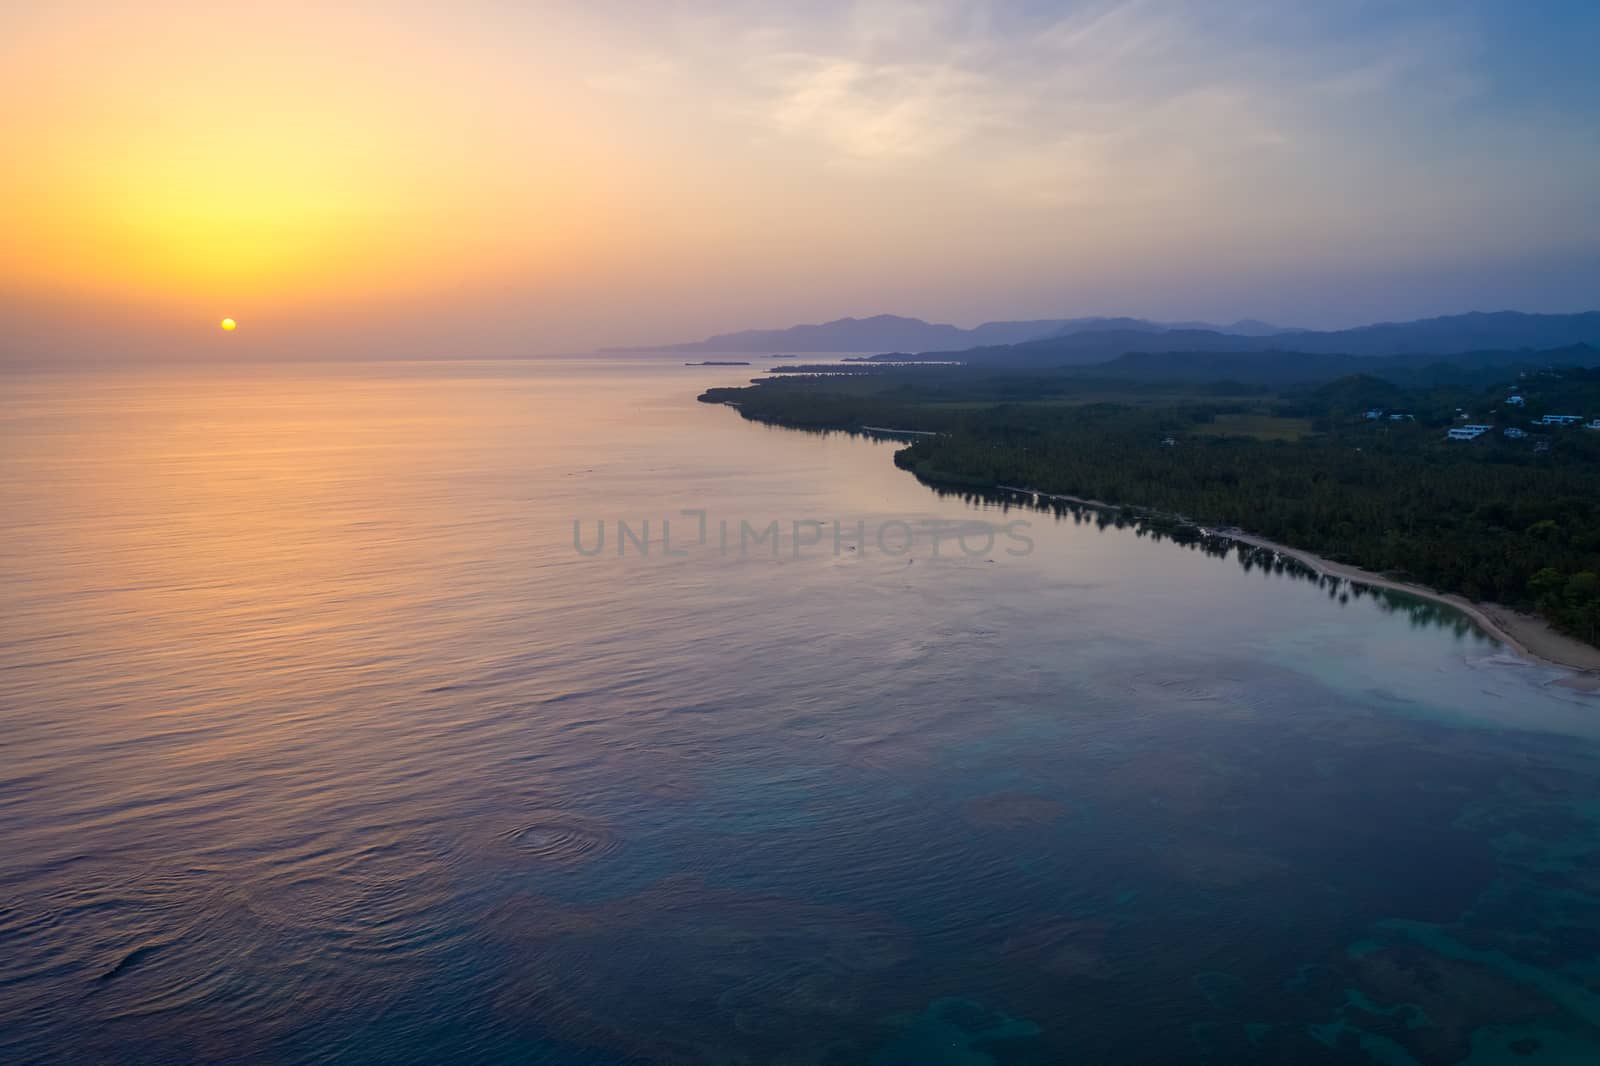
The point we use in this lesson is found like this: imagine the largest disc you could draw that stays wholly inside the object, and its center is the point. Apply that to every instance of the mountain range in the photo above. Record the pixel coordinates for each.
(882, 333)
(1475, 331)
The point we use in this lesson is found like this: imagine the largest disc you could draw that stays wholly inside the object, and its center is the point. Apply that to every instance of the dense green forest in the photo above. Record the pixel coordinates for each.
(1513, 520)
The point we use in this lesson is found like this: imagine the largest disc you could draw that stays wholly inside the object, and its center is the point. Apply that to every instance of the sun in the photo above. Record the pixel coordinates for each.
(229, 324)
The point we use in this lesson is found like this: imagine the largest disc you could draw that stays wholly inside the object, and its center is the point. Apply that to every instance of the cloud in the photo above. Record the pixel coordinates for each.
(1050, 109)
(846, 155)
(865, 111)
(1088, 103)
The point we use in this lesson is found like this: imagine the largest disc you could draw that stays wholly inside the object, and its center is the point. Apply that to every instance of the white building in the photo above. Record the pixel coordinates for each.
(1397, 417)
(1468, 432)
(1592, 425)
(1374, 414)
(1515, 401)
(1560, 420)
(1514, 433)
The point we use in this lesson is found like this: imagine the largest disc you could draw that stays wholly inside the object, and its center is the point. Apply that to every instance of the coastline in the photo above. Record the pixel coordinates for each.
(1529, 636)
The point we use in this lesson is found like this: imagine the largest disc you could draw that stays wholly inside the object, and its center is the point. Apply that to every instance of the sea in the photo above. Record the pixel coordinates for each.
(532, 712)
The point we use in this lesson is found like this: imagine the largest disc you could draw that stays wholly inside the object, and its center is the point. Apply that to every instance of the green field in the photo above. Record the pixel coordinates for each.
(1259, 426)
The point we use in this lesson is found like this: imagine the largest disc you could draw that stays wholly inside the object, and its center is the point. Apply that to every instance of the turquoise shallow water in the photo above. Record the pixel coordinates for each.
(322, 742)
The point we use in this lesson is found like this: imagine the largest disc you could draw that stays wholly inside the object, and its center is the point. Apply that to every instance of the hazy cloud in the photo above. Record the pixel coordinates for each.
(498, 171)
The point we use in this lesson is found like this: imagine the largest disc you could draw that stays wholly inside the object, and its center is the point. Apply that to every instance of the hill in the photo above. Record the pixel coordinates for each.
(1476, 331)
(896, 333)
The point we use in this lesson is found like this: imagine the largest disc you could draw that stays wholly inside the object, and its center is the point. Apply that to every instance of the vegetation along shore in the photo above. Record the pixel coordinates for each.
(1473, 479)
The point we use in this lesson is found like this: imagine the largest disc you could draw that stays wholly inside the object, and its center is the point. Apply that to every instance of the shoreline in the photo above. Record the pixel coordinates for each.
(1528, 635)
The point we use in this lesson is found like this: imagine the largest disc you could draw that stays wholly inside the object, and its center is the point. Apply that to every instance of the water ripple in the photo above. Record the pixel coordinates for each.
(563, 838)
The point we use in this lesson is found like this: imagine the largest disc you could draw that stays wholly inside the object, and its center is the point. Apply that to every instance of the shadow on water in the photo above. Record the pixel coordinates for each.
(1251, 557)
(1422, 612)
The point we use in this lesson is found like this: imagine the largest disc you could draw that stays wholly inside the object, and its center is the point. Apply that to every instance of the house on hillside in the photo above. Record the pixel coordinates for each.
(1516, 401)
(1374, 414)
(1560, 420)
(1398, 417)
(1595, 424)
(1467, 432)
(1514, 433)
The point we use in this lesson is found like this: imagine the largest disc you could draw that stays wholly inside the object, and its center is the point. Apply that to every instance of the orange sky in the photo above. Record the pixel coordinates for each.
(186, 160)
(499, 178)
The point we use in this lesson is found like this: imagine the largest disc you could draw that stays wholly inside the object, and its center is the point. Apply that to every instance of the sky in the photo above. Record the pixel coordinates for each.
(500, 178)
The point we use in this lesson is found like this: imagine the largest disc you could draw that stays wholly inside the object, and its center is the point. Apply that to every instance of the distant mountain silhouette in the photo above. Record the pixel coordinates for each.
(1244, 327)
(1476, 331)
(894, 332)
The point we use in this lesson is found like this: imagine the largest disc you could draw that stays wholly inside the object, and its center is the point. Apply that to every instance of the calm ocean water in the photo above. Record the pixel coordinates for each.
(321, 742)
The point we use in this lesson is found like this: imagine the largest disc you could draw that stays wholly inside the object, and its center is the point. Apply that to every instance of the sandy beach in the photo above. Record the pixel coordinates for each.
(1528, 635)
